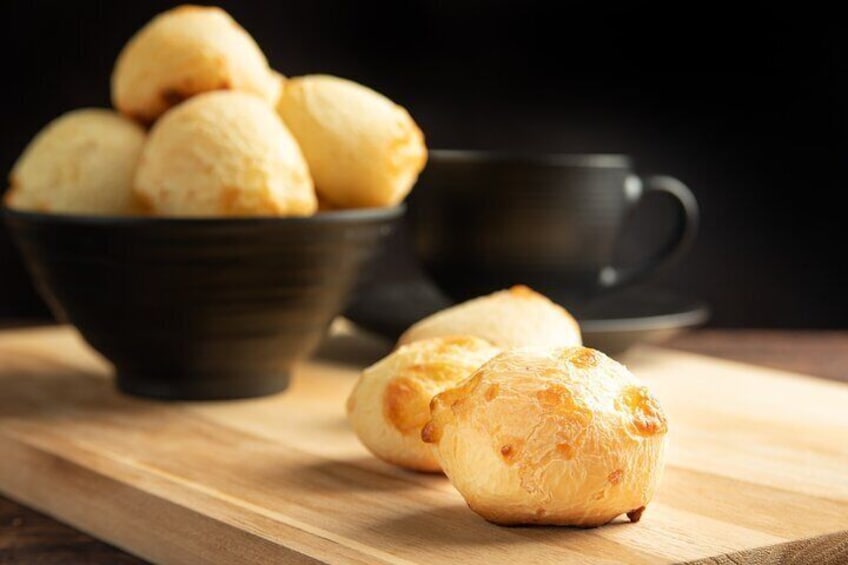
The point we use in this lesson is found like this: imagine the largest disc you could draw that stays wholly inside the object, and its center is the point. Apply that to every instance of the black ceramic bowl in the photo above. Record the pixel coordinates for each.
(200, 308)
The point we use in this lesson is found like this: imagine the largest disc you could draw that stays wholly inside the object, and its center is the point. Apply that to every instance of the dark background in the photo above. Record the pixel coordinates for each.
(745, 105)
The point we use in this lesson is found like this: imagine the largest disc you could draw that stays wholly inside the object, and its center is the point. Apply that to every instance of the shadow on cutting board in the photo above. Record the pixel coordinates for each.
(61, 394)
(457, 525)
(364, 474)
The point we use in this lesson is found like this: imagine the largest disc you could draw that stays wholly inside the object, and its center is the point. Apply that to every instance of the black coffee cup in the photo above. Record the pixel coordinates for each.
(482, 221)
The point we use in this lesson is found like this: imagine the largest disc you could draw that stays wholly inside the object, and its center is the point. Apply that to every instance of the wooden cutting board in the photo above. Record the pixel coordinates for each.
(757, 471)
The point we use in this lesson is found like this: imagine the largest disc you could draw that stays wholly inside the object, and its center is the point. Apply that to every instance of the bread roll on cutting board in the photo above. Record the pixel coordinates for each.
(390, 402)
(517, 317)
(564, 436)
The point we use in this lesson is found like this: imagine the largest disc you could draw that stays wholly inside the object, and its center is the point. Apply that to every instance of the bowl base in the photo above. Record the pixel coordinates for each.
(202, 387)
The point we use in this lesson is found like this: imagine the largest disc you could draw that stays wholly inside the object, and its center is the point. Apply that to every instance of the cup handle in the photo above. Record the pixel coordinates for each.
(686, 226)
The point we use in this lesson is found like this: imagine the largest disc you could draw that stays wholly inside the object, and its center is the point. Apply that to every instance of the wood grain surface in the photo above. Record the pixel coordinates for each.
(762, 481)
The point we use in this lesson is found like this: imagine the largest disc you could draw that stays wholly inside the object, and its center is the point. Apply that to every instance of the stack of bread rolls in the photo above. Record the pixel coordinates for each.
(529, 426)
(203, 126)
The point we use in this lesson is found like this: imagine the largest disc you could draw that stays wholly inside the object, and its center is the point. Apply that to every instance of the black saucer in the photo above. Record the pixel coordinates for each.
(611, 323)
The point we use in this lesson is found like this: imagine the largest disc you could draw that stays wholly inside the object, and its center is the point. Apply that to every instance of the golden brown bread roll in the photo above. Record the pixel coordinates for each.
(80, 163)
(363, 149)
(185, 51)
(224, 153)
(565, 436)
(518, 317)
(390, 402)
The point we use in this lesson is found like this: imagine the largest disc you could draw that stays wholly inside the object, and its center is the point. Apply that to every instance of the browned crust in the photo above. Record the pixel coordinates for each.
(615, 477)
(565, 450)
(405, 405)
(523, 291)
(431, 433)
(647, 415)
(143, 203)
(583, 358)
(229, 199)
(508, 453)
(636, 515)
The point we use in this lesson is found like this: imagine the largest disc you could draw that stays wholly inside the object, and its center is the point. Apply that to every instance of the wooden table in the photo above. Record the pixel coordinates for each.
(27, 536)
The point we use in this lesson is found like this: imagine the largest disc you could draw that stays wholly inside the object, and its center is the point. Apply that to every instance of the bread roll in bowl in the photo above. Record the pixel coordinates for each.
(563, 437)
(390, 402)
(518, 317)
(363, 149)
(224, 153)
(183, 52)
(83, 162)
